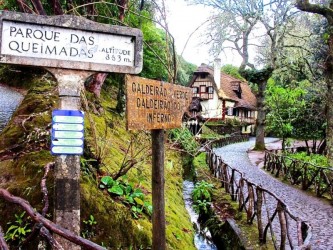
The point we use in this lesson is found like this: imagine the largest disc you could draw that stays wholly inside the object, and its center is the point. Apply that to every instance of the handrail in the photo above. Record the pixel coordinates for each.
(229, 140)
(308, 175)
(253, 198)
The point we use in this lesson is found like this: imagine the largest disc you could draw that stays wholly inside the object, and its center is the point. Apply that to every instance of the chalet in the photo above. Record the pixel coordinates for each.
(224, 97)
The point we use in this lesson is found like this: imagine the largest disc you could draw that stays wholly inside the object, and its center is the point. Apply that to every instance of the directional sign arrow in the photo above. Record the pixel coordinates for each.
(68, 119)
(67, 126)
(67, 142)
(68, 134)
(66, 150)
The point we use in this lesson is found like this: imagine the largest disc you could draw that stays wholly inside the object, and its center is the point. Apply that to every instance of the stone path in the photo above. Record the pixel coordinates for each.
(316, 211)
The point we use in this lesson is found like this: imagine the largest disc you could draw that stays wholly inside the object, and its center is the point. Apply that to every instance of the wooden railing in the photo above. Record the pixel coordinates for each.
(229, 140)
(288, 231)
(307, 175)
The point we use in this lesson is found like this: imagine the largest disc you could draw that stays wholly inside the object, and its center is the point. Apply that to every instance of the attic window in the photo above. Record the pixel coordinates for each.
(236, 87)
(202, 75)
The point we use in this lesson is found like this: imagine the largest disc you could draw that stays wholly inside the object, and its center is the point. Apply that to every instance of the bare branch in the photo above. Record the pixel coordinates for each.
(305, 5)
(47, 223)
(24, 7)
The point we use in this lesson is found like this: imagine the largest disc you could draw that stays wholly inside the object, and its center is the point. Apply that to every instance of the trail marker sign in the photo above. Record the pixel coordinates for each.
(69, 42)
(154, 104)
(67, 132)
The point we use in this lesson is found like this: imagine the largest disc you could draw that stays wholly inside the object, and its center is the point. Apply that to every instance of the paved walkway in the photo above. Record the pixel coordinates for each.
(316, 211)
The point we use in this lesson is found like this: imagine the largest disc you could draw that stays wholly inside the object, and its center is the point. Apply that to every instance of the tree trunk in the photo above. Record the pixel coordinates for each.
(96, 83)
(260, 124)
(329, 117)
(329, 107)
(121, 99)
(326, 12)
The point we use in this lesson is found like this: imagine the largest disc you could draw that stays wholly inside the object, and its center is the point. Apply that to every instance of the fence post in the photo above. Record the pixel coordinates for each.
(259, 215)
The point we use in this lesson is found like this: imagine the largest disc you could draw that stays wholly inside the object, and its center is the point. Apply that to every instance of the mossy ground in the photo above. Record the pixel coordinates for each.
(226, 208)
(112, 146)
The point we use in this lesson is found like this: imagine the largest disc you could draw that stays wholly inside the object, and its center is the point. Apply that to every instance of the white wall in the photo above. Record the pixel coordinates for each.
(212, 108)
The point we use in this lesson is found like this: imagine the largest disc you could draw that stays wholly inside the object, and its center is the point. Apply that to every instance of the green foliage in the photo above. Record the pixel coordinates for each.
(209, 134)
(154, 51)
(134, 197)
(184, 71)
(256, 76)
(18, 229)
(232, 71)
(87, 165)
(202, 196)
(310, 124)
(315, 159)
(201, 207)
(200, 160)
(284, 105)
(299, 162)
(88, 229)
(184, 137)
(202, 191)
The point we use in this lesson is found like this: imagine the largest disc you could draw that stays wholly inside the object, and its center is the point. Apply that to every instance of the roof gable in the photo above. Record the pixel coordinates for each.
(231, 88)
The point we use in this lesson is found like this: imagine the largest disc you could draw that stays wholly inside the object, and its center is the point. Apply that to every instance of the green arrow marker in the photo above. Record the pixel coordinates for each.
(67, 150)
(68, 119)
(67, 142)
(64, 126)
(68, 134)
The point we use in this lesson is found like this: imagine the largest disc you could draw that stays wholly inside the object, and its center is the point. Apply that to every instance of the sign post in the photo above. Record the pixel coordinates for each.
(158, 181)
(67, 167)
(156, 106)
(72, 48)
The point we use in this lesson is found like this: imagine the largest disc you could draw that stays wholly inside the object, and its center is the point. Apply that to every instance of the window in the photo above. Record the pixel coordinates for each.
(230, 111)
(195, 90)
(210, 90)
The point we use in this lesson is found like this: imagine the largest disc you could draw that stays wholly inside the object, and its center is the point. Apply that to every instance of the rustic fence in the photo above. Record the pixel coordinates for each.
(229, 140)
(287, 232)
(308, 176)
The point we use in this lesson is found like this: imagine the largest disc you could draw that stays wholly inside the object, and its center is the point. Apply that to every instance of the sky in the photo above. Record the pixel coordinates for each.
(183, 19)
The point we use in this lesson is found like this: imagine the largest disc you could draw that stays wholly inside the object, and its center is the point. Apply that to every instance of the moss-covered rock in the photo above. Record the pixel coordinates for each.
(24, 150)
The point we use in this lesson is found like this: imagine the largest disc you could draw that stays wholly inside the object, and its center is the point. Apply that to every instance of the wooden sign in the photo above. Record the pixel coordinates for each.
(69, 42)
(154, 104)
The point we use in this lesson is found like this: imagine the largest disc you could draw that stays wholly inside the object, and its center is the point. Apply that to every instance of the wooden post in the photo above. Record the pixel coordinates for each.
(159, 239)
(67, 168)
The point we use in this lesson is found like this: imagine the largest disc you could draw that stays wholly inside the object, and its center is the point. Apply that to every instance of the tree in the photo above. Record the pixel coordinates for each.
(310, 122)
(185, 71)
(232, 71)
(231, 26)
(238, 26)
(326, 11)
(285, 105)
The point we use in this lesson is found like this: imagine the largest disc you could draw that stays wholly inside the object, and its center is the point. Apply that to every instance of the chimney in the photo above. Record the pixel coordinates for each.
(217, 72)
